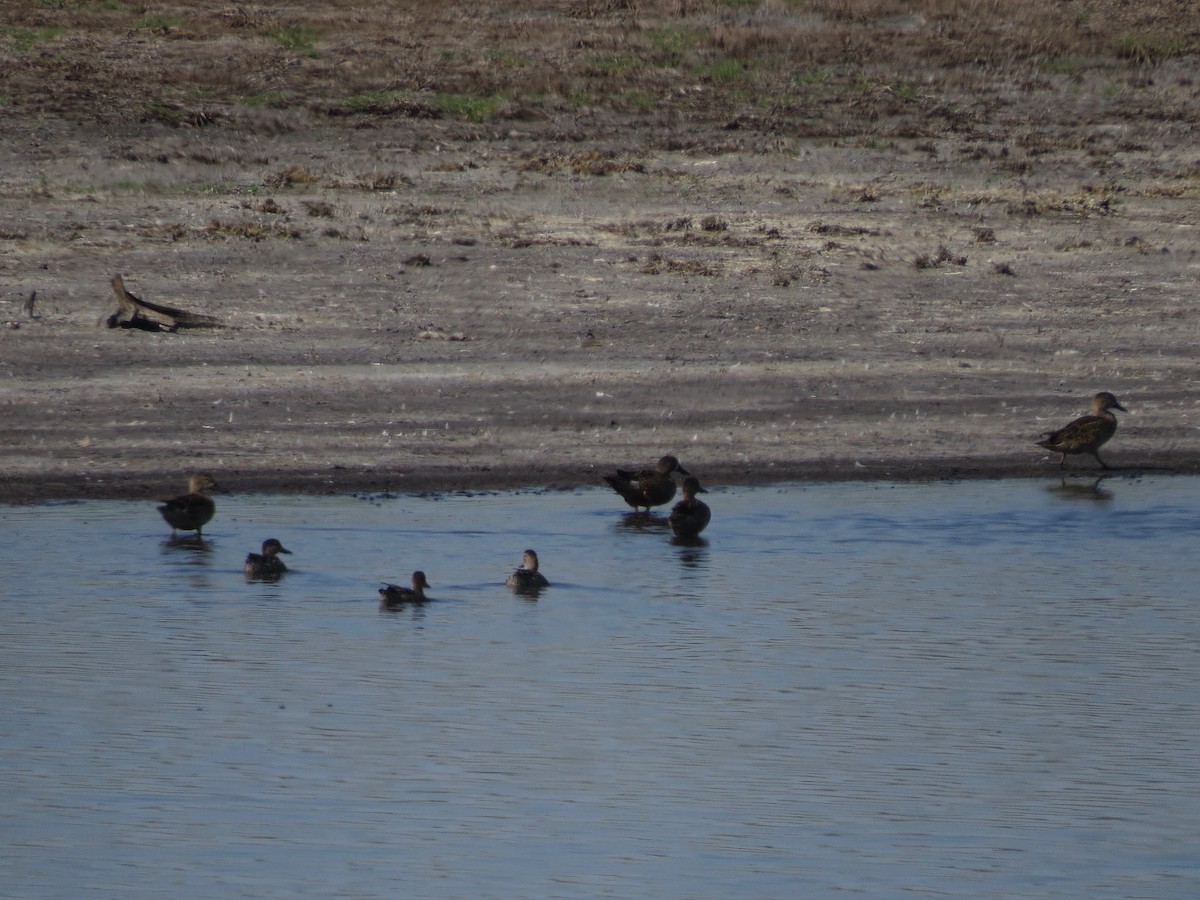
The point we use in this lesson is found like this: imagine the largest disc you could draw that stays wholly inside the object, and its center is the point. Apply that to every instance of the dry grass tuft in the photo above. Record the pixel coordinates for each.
(291, 176)
(657, 264)
(250, 231)
(584, 162)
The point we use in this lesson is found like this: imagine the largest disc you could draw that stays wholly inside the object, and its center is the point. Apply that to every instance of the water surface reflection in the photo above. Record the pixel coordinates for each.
(954, 689)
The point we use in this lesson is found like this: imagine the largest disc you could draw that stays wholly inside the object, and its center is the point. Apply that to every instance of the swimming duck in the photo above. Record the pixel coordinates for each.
(690, 516)
(392, 595)
(649, 487)
(266, 564)
(527, 577)
(1086, 434)
(193, 510)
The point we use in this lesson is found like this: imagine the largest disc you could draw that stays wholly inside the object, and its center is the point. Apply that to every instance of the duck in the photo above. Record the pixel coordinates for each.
(1087, 434)
(649, 487)
(193, 510)
(527, 577)
(266, 564)
(392, 596)
(690, 516)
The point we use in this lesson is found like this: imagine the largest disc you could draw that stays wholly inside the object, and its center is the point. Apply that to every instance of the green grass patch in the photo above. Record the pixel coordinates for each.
(724, 71)
(24, 38)
(135, 186)
(268, 100)
(811, 77)
(387, 103)
(1150, 49)
(1062, 65)
(641, 100)
(508, 59)
(299, 38)
(157, 23)
(371, 101)
(673, 43)
(581, 99)
(469, 106)
(621, 63)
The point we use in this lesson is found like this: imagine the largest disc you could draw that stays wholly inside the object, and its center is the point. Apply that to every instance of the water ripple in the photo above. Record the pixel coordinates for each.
(950, 689)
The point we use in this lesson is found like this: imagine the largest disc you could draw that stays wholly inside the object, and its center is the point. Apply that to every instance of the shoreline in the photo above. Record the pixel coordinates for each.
(480, 478)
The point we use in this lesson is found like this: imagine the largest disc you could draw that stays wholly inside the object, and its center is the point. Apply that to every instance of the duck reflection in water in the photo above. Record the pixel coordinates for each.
(1090, 490)
(646, 522)
(195, 549)
(693, 553)
(691, 515)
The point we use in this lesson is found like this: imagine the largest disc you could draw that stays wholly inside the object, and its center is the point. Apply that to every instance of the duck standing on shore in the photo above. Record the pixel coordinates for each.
(193, 510)
(649, 487)
(1087, 434)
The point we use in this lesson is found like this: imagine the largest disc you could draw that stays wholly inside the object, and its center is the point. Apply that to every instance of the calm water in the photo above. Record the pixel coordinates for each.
(968, 690)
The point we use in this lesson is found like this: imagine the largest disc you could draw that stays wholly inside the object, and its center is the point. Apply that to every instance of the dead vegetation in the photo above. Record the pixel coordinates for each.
(133, 312)
(824, 68)
(867, 201)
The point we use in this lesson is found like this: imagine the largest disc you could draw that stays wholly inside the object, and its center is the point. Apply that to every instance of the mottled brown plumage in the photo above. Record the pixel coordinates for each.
(690, 516)
(193, 510)
(393, 595)
(266, 564)
(649, 487)
(1086, 434)
(527, 577)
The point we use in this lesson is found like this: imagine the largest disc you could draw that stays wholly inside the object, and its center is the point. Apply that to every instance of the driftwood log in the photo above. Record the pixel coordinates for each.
(133, 312)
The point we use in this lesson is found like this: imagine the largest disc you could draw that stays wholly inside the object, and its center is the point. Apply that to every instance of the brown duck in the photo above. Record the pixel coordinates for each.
(266, 564)
(649, 487)
(527, 577)
(193, 510)
(1086, 434)
(690, 516)
(392, 596)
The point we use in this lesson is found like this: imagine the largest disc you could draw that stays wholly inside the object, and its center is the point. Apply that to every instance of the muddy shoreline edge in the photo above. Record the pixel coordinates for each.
(480, 477)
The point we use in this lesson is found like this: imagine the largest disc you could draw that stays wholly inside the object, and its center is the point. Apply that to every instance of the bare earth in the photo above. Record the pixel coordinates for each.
(415, 304)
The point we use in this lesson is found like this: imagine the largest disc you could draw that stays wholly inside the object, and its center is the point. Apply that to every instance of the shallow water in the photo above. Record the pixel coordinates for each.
(975, 689)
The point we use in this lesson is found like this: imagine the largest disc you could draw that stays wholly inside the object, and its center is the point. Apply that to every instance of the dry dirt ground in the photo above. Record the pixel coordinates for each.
(411, 303)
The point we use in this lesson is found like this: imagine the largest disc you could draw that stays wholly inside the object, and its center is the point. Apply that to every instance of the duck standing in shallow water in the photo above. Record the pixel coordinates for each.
(690, 516)
(1087, 434)
(392, 596)
(649, 487)
(527, 578)
(193, 510)
(266, 564)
